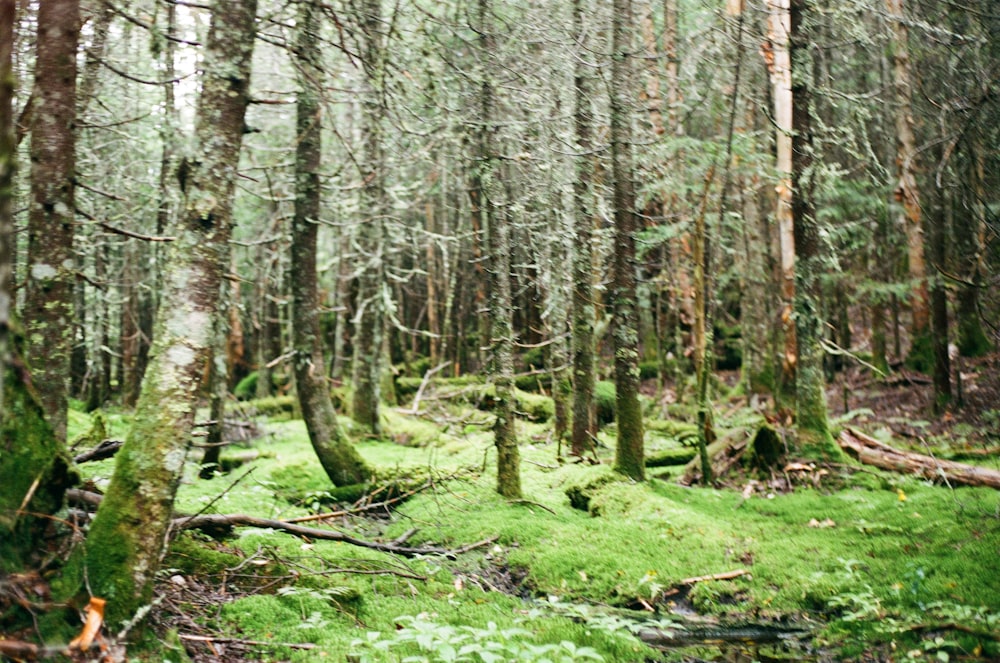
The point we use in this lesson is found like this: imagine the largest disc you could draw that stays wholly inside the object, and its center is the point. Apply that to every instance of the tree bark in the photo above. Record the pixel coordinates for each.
(501, 331)
(370, 317)
(778, 57)
(810, 398)
(128, 535)
(906, 191)
(49, 306)
(340, 460)
(583, 252)
(625, 322)
(870, 451)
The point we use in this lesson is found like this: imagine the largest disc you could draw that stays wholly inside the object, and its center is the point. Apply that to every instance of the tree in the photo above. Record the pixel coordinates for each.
(629, 455)
(489, 188)
(370, 317)
(907, 191)
(49, 309)
(583, 252)
(340, 460)
(810, 399)
(780, 67)
(128, 535)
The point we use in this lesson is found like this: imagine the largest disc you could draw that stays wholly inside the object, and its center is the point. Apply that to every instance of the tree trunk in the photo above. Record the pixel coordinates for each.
(369, 319)
(625, 332)
(906, 191)
(970, 236)
(938, 294)
(501, 331)
(583, 252)
(779, 63)
(33, 461)
(340, 460)
(49, 309)
(810, 398)
(129, 532)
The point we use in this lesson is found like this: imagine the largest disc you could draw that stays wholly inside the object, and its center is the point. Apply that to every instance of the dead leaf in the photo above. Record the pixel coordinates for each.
(822, 524)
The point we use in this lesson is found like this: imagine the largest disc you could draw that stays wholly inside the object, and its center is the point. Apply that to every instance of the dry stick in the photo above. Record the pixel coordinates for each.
(367, 507)
(423, 385)
(728, 575)
(239, 641)
(221, 520)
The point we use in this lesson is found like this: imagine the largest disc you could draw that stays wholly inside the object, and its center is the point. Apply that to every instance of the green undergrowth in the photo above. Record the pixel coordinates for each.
(870, 561)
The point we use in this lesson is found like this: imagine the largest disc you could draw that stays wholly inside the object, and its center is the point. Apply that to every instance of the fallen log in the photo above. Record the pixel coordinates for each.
(723, 454)
(870, 451)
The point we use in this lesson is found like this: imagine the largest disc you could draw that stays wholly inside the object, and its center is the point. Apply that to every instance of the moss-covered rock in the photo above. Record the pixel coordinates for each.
(587, 483)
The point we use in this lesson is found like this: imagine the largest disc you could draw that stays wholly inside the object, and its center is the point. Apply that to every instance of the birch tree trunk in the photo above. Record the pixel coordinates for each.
(629, 454)
(129, 533)
(780, 68)
(340, 460)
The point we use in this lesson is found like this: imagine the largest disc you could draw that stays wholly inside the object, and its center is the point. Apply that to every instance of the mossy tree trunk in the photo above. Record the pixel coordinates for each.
(129, 533)
(583, 252)
(625, 319)
(811, 260)
(33, 461)
(501, 330)
(370, 317)
(340, 460)
(49, 305)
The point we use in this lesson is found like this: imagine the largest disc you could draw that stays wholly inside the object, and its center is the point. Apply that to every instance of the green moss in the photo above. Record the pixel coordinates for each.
(921, 355)
(29, 453)
(669, 457)
(604, 401)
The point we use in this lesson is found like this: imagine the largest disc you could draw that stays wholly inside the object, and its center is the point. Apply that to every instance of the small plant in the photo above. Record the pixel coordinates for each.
(442, 643)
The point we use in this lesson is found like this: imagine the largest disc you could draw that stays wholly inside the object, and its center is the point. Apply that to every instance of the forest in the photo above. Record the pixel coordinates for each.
(499, 330)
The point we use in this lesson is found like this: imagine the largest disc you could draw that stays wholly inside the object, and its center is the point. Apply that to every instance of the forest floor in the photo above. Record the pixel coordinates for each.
(836, 562)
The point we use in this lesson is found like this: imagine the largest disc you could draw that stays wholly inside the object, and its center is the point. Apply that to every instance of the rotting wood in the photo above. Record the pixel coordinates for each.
(723, 454)
(870, 451)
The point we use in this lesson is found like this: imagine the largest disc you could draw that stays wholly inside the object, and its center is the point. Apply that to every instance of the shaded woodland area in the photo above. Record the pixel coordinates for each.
(572, 225)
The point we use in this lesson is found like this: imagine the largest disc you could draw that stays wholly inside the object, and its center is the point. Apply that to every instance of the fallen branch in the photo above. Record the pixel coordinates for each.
(239, 641)
(213, 523)
(106, 449)
(870, 451)
(216, 522)
(727, 575)
(423, 385)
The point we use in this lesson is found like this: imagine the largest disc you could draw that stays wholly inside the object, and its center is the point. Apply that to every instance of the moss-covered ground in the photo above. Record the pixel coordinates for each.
(876, 566)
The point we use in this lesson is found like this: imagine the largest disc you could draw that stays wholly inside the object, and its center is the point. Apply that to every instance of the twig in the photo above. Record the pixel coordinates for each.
(134, 235)
(423, 385)
(212, 520)
(214, 500)
(367, 507)
(240, 641)
(728, 575)
(530, 503)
